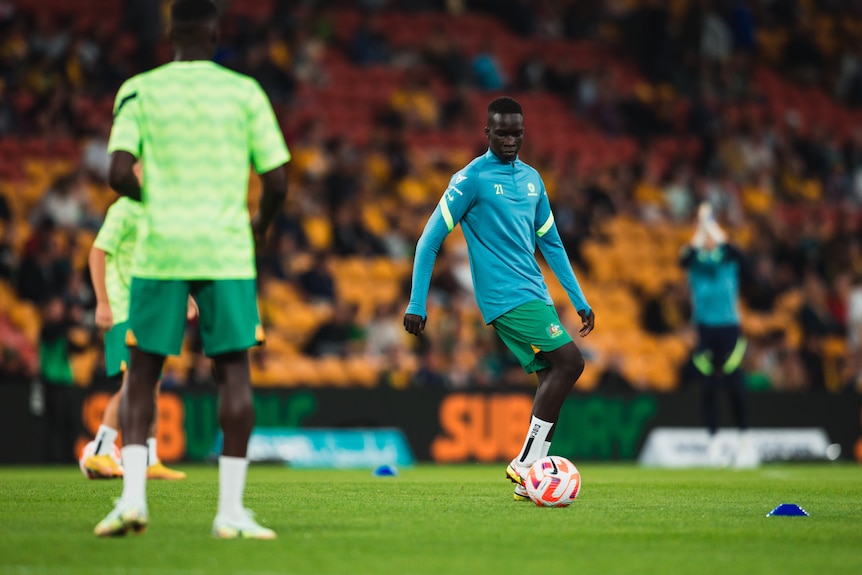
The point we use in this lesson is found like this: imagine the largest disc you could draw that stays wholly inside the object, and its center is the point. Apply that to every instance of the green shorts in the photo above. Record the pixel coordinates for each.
(529, 329)
(228, 319)
(116, 352)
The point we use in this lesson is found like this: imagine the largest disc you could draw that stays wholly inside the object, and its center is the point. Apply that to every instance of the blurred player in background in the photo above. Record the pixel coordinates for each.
(197, 127)
(504, 211)
(110, 270)
(714, 267)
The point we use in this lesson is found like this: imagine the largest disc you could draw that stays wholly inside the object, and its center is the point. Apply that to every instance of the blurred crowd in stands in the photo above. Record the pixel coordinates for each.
(636, 111)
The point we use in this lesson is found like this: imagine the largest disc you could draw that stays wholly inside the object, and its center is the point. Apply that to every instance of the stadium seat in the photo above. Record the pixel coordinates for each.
(590, 376)
(835, 356)
(25, 317)
(83, 366)
(319, 232)
(363, 371)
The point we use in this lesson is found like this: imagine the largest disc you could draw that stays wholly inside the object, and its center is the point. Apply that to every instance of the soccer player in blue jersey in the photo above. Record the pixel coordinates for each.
(713, 266)
(504, 211)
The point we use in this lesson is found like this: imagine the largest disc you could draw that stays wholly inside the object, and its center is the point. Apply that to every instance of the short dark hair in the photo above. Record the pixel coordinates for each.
(193, 11)
(504, 105)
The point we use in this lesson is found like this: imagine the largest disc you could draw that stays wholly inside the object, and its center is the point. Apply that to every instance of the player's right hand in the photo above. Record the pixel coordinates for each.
(104, 317)
(414, 324)
(589, 322)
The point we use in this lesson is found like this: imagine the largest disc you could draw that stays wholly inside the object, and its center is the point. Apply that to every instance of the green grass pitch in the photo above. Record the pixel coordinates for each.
(446, 519)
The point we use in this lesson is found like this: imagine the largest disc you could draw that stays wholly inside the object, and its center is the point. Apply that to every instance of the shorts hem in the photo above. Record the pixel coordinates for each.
(230, 349)
(155, 351)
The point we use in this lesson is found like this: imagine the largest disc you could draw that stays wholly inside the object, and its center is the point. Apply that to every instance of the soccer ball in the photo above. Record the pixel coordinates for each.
(553, 481)
(90, 449)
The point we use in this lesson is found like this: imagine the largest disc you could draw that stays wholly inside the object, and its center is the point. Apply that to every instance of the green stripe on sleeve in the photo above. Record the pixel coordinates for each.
(547, 225)
(447, 215)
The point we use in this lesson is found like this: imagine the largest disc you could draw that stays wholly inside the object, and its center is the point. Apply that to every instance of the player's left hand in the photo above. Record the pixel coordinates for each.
(414, 324)
(589, 322)
(104, 317)
(192, 309)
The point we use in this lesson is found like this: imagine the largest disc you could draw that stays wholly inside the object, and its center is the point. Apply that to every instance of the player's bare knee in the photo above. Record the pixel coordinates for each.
(236, 410)
(575, 368)
(575, 365)
(145, 368)
(569, 361)
(231, 368)
(579, 365)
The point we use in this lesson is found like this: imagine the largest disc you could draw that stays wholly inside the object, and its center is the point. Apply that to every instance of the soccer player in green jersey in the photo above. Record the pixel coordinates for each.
(196, 127)
(110, 271)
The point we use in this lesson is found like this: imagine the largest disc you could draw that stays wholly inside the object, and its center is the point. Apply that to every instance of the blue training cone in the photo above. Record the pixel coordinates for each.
(385, 471)
(788, 510)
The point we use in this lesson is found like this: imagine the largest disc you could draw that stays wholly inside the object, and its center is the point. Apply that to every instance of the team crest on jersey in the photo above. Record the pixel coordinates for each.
(555, 330)
(532, 189)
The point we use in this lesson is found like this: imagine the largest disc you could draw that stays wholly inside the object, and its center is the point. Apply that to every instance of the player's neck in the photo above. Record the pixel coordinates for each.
(191, 54)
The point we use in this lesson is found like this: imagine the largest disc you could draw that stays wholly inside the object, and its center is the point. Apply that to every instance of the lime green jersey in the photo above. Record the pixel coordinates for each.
(197, 127)
(117, 238)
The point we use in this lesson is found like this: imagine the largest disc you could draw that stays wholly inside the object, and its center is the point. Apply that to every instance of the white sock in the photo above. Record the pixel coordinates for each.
(535, 442)
(152, 453)
(231, 485)
(135, 475)
(546, 447)
(105, 438)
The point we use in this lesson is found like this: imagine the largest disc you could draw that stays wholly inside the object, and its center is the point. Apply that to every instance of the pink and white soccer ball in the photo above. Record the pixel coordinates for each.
(553, 481)
(90, 449)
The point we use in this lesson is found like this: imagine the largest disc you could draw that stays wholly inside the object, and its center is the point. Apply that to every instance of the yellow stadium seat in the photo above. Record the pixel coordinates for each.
(793, 336)
(377, 168)
(83, 365)
(331, 371)
(661, 375)
(352, 270)
(179, 364)
(296, 322)
(280, 292)
(7, 296)
(412, 191)
(319, 232)
(675, 348)
(790, 301)
(374, 218)
(835, 353)
(279, 346)
(754, 324)
(385, 292)
(363, 371)
(590, 377)
(351, 291)
(81, 254)
(260, 377)
(382, 269)
(26, 318)
(299, 371)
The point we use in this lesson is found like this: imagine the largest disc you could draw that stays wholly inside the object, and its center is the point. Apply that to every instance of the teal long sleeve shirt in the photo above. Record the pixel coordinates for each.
(713, 278)
(504, 211)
